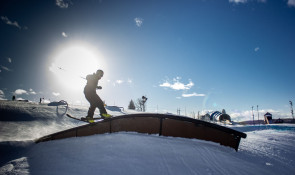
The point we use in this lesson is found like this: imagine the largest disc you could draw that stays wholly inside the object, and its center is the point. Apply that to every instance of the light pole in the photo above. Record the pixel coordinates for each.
(253, 115)
(292, 109)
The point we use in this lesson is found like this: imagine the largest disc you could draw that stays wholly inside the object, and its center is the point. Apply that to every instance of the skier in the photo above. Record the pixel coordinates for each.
(92, 97)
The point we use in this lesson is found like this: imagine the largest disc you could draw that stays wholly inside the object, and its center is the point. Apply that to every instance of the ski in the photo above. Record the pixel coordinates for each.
(96, 119)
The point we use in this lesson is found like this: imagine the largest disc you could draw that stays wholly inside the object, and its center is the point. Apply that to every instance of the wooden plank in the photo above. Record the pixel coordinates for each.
(148, 125)
(65, 134)
(97, 128)
(178, 128)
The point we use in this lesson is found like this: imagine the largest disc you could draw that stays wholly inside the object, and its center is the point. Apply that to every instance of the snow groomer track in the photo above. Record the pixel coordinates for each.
(162, 124)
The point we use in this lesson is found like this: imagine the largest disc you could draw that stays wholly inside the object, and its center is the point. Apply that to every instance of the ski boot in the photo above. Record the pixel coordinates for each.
(105, 116)
(87, 119)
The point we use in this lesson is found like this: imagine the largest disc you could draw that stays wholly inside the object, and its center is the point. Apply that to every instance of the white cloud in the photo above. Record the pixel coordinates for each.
(247, 115)
(138, 22)
(256, 49)
(6, 68)
(238, 1)
(9, 60)
(177, 85)
(7, 21)
(56, 94)
(291, 3)
(2, 95)
(119, 81)
(64, 34)
(31, 91)
(193, 95)
(46, 101)
(20, 92)
(63, 3)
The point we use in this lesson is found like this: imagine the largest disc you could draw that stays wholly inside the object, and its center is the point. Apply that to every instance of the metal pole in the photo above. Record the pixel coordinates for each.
(253, 115)
(258, 114)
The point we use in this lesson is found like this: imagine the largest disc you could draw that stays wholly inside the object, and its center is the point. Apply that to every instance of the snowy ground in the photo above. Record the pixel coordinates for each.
(266, 150)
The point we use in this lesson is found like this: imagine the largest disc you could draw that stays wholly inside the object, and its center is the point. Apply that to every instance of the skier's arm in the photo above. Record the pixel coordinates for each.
(98, 87)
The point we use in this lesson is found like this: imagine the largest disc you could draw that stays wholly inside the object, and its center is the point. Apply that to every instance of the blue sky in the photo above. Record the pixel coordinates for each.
(195, 55)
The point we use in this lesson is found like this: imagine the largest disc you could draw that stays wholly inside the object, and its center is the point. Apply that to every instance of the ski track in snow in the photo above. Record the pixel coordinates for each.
(266, 150)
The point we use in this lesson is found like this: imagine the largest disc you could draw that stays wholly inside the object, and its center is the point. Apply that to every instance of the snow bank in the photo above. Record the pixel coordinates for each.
(264, 151)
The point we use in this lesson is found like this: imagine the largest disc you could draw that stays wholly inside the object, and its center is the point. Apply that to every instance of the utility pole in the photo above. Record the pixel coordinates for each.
(292, 109)
(178, 111)
(253, 115)
(258, 114)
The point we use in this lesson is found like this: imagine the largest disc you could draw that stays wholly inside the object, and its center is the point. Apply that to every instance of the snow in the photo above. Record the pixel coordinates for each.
(266, 150)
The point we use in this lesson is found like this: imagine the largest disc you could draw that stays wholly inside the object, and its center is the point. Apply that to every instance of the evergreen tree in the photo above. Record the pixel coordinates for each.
(131, 105)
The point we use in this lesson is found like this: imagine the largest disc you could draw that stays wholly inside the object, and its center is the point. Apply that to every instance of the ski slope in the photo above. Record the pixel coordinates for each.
(266, 150)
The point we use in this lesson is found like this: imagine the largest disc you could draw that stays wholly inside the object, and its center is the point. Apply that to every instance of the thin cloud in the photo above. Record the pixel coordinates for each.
(20, 92)
(138, 22)
(193, 95)
(7, 21)
(129, 81)
(291, 3)
(256, 49)
(5, 68)
(9, 60)
(63, 3)
(177, 85)
(245, 1)
(119, 81)
(237, 1)
(56, 94)
(64, 34)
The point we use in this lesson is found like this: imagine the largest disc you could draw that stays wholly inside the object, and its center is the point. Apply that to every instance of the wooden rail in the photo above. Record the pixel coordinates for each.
(162, 124)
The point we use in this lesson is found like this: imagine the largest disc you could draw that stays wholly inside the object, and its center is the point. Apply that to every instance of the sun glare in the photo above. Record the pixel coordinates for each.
(72, 64)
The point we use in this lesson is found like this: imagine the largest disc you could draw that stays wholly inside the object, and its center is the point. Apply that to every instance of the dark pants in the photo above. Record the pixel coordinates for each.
(95, 102)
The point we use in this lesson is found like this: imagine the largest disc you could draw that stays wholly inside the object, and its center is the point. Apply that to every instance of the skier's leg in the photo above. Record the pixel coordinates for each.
(91, 99)
(91, 111)
(100, 105)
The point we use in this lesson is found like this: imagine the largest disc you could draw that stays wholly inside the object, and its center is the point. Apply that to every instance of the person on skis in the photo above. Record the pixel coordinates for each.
(90, 94)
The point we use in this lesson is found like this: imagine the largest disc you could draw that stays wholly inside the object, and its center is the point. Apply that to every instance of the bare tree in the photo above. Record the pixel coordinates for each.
(141, 103)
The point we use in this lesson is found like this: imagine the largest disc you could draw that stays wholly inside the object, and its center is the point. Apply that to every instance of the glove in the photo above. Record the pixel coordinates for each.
(98, 87)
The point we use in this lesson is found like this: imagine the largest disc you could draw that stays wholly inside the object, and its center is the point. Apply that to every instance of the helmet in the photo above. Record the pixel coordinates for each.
(99, 72)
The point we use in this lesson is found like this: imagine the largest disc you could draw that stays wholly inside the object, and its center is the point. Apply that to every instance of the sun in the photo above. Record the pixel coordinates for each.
(72, 64)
